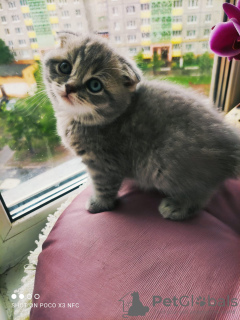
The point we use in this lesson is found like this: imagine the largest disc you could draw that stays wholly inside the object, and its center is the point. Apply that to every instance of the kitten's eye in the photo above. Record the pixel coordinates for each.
(94, 85)
(65, 67)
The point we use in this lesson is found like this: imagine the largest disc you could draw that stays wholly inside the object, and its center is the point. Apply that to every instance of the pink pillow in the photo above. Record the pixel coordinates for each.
(133, 263)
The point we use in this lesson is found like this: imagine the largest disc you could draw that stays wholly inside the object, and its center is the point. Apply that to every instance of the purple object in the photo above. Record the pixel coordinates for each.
(225, 36)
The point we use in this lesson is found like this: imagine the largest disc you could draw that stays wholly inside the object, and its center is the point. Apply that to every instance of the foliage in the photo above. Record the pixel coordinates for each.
(189, 59)
(6, 55)
(157, 63)
(205, 62)
(30, 126)
(141, 63)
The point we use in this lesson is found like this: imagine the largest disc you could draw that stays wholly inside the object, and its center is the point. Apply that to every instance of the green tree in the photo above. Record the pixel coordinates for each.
(30, 127)
(205, 63)
(189, 59)
(6, 55)
(157, 63)
(141, 63)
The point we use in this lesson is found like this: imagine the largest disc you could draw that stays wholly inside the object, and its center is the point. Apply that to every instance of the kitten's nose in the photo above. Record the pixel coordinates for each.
(70, 88)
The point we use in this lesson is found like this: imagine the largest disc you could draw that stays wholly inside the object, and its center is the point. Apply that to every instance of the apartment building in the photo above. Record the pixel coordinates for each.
(169, 27)
(28, 26)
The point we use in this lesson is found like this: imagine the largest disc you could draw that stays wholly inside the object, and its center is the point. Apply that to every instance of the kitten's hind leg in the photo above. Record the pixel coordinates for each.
(174, 210)
(105, 192)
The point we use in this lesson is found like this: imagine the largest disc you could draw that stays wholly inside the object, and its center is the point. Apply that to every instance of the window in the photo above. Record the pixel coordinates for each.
(176, 19)
(23, 2)
(79, 25)
(52, 13)
(209, 3)
(76, 1)
(192, 19)
(117, 39)
(205, 45)
(116, 26)
(146, 35)
(15, 18)
(132, 38)
(55, 26)
(192, 3)
(26, 15)
(10, 43)
(208, 18)
(130, 9)
(50, 1)
(62, 1)
(78, 12)
(132, 51)
(206, 32)
(131, 24)
(191, 33)
(1, 6)
(65, 14)
(146, 49)
(189, 47)
(177, 4)
(145, 21)
(177, 33)
(22, 42)
(177, 46)
(7, 31)
(30, 28)
(12, 5)
(145, 6)
(67, 26)
(4, 20)
(33, 40)
(18, 30)
(115, 11)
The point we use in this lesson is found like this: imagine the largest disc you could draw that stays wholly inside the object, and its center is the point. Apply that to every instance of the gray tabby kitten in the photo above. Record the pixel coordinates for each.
(160, 134)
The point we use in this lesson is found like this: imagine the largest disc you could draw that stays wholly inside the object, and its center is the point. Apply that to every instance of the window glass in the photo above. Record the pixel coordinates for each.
(168, 39)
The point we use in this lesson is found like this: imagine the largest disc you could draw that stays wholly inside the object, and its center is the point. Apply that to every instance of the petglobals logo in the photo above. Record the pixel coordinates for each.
(133, 306)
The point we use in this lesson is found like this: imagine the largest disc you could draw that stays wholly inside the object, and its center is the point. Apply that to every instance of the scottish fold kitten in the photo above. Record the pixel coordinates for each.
(160, 134)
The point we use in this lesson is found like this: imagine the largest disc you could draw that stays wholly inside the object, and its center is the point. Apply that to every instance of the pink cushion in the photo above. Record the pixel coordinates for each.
(96, 262)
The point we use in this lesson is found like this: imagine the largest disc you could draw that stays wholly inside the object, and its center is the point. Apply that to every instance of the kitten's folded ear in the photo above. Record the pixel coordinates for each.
(63, 37)
(131, 74)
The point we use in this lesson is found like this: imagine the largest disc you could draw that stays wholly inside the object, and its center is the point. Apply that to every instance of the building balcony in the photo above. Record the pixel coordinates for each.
(34, 45)
(54, 20)
(28, 22)
(147, 55)
(177, 11)
(176, 53)
(145, 14)
(176, 40)
(36, 57)
(176, 26)
(25, 9)
(51, 7)
(146, 28)
(145, 42)
(32, 34)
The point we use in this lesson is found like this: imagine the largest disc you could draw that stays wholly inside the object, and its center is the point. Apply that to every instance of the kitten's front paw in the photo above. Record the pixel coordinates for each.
(170, 210)
(96, 206)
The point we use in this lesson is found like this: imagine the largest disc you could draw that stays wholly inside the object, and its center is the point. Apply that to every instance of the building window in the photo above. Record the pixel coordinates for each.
(55, 26)
(209, 3)
(131, 24)
(132, 38)
(192, 19)
(116, 26)
(23, 2)
(22, 42)
(76, 1)
(208, 18)
(115, 11)
(191, 33)
(26, 15)
(145, 6)
(146, 49)
(177, 33)
(177, 4)
(146, 35)
(67, 26)
(6, 31)
(78, 12)
(65, 14)
(189, 47)
(177, 46)
(18, 30)
(4, 20)
(10, 43)
(50, 1)
(52, 13)
(30, 28)
(12, 5)
(130, 9)
(206, 32)
(193, 3)
(145, 21)
(1, 6)
(205, 45)
(15, 18)
(79, 25)
(33, 40)
(117, 39)
(176, 19)
(132, 51)
(62, 1)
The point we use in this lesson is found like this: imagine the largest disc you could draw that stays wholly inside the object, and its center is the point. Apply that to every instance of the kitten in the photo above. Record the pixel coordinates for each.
(160, 134)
